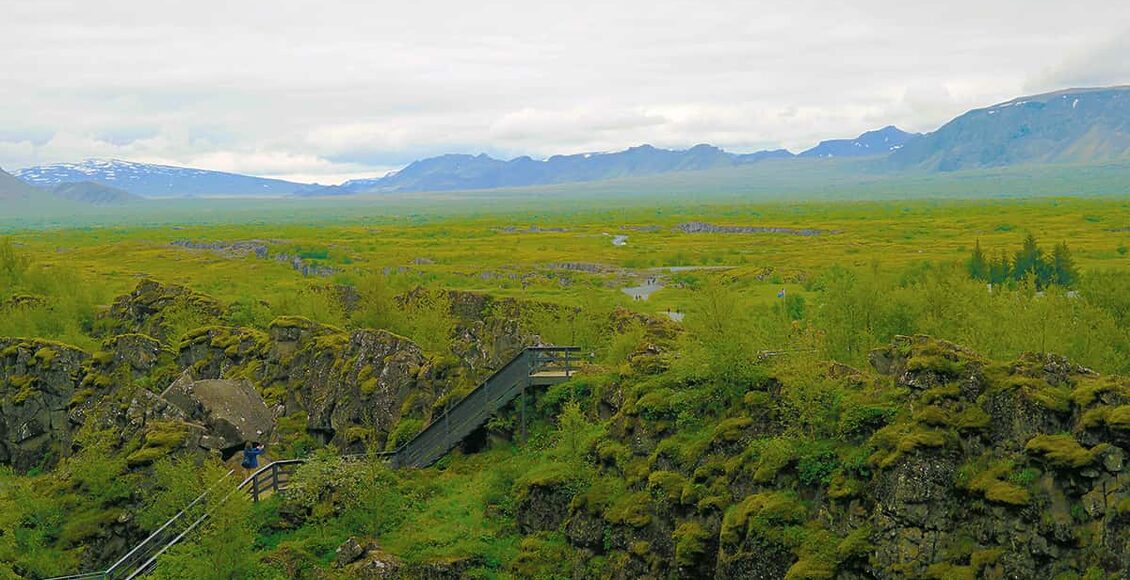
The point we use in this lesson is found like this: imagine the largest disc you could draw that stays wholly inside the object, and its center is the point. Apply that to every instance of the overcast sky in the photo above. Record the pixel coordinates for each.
(328, 90)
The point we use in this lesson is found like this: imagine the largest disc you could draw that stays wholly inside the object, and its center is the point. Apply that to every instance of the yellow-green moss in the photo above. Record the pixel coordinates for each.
(369, 386)
(544, 475)
(1090, 389)
(772, 456)
(842, 486)
(811, 569)
(1038, 391)
(730, 430)
(25, 394)
(46, 355)
(757, 400)
(934, 416)
(1119, 418)
(81, 396)
(935, 357)
(1113, 417)
(947, 571)
(666, 485)
(682, 449)
(856, 544)
(759, 512)
(1063, 450)
(894, 441)
(160, 438)
(942, 393)
(981, 558)
(79, 528)
(630, 509)
(971, 418)
(103, 357)
(690, 543)
(991, 484)
(612, 452)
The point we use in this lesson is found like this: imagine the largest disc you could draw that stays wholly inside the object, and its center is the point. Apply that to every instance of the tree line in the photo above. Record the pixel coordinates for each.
(1030, 261)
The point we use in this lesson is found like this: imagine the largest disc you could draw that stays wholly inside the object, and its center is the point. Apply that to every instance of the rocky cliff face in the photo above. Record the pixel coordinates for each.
(38, 383)
(351, 388)
(943, 465)
(327, 385)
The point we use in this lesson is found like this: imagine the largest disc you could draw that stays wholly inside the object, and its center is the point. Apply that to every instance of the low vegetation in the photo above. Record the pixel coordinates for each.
(856, 404)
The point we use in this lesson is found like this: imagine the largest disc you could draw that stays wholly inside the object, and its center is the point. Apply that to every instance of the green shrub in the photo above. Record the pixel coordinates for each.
(405, 430)
(816, 461)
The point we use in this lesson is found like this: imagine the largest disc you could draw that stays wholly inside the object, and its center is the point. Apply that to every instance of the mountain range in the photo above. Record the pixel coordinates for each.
(1070, 126)
(149, 180)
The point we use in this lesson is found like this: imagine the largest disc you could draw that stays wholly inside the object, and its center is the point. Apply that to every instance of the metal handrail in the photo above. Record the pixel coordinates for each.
(536, 358)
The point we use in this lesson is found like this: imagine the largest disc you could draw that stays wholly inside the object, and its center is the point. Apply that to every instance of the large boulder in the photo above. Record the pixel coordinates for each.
(232, 412)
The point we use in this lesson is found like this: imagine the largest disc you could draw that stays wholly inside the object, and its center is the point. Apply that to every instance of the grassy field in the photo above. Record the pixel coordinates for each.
(486, 250)
(564, 256)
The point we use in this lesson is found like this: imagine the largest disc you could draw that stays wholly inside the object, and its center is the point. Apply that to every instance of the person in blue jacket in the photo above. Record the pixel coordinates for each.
(251, 453)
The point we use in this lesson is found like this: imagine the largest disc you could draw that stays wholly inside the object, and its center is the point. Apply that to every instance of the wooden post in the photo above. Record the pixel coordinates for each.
(522, 397)
(255, 487)
(275, 477)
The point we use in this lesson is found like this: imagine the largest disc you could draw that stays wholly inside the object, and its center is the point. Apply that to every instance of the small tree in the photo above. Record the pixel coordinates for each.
(1063, 270)
(1030, 261)
(1000, 269)
(978, 264)
(430, 323)
(377, 307)
(724, 337)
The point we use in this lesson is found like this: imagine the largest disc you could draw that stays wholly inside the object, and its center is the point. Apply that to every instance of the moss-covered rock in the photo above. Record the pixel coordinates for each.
(159, 310)
(38, 383)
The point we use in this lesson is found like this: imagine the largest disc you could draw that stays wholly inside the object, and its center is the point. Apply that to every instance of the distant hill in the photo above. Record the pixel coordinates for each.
(465, 172)
(150, 180)
(1071, 126)
(93, 193)
(12, 188)
(880, 142)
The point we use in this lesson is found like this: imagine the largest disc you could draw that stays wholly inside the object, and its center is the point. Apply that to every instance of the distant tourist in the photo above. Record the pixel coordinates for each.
(251, 453)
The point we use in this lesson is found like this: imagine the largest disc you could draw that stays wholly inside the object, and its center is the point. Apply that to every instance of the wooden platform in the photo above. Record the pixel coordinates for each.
(550, 377)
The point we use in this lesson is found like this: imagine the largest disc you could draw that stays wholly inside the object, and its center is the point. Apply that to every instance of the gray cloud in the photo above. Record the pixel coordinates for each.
(331, 90)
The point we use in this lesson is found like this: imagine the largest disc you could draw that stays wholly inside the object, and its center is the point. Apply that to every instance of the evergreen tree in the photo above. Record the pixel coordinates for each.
(978, 265)
(1030, 261)
(1063, 270)
(999, 269)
